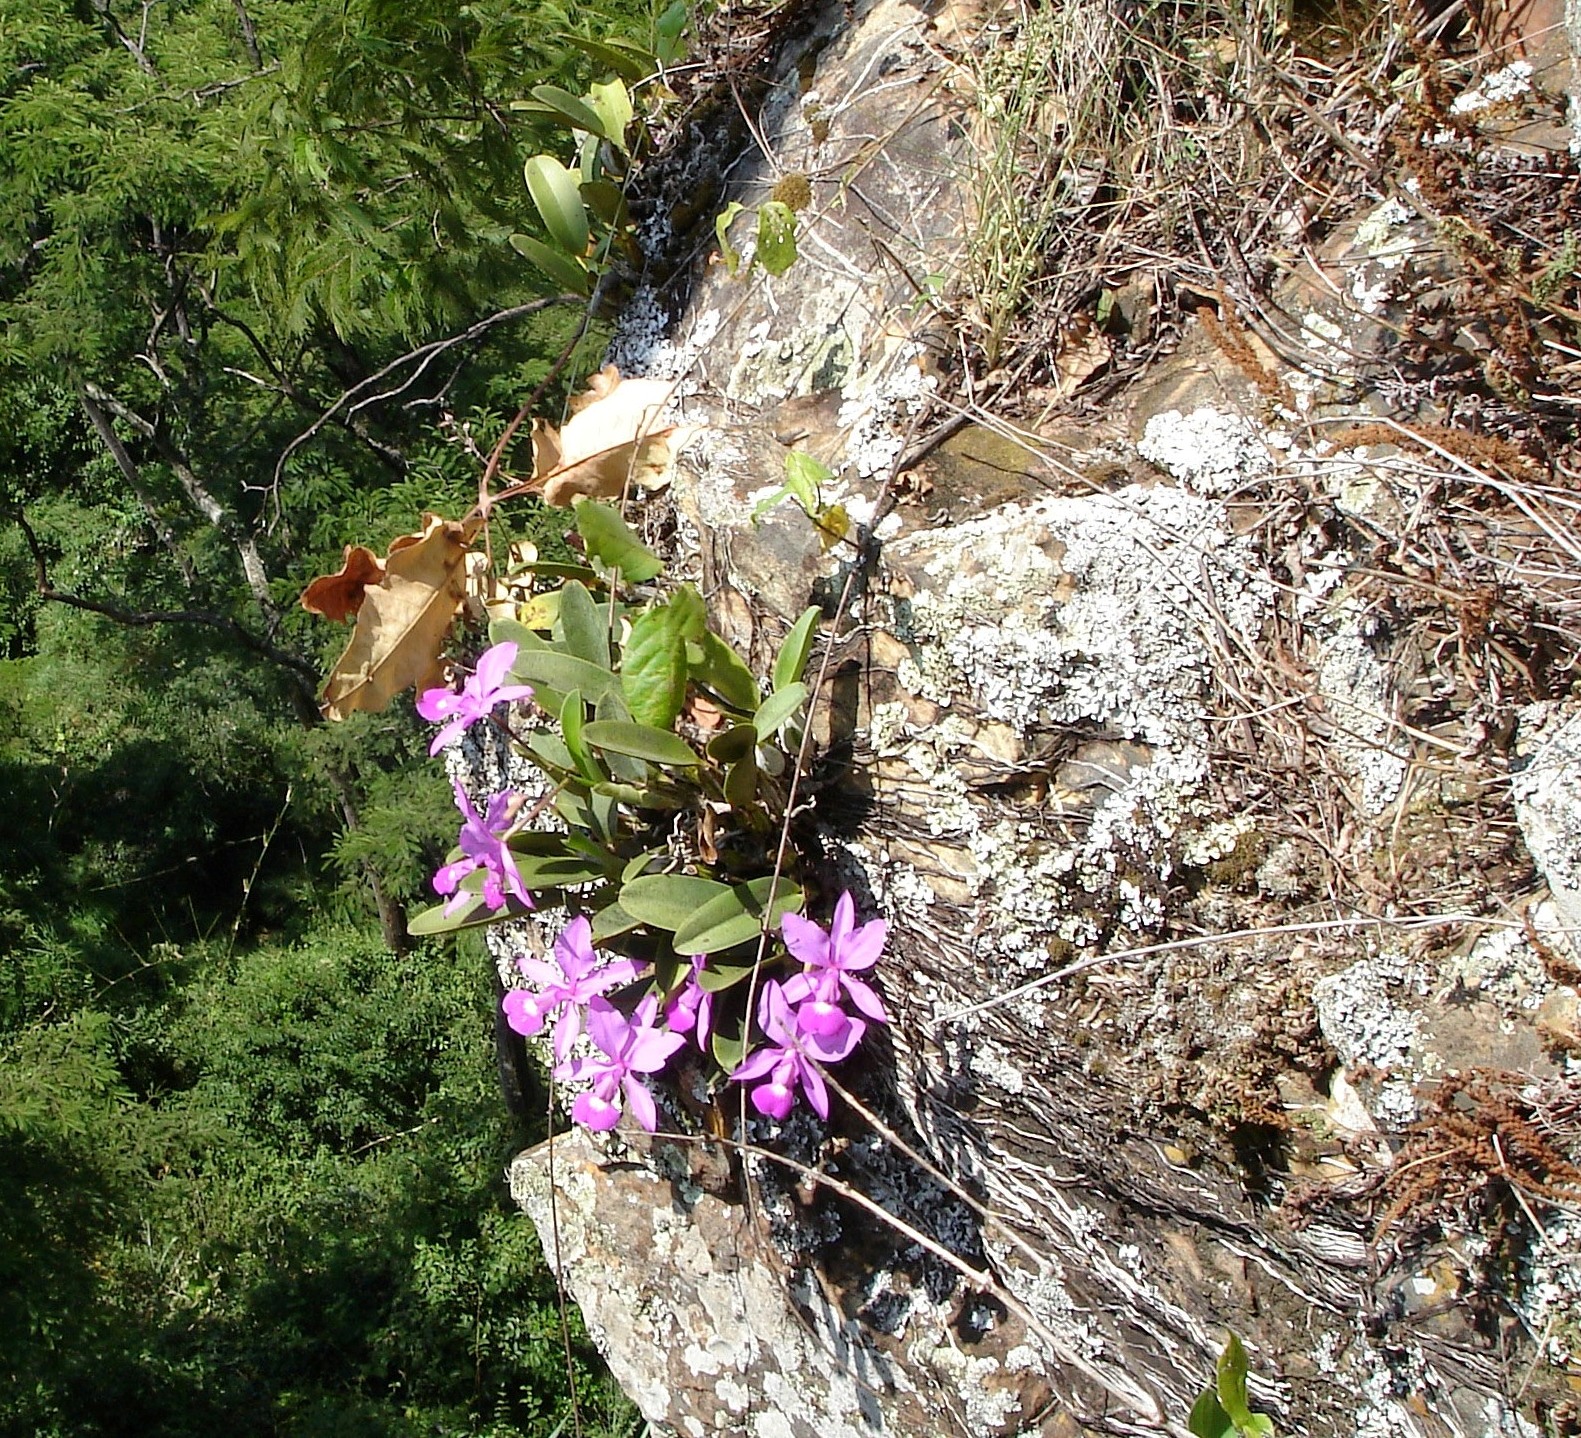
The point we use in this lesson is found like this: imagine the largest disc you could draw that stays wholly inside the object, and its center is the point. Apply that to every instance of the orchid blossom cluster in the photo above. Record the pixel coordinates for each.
(609, 1035)
(803, 1018)
(483, 837)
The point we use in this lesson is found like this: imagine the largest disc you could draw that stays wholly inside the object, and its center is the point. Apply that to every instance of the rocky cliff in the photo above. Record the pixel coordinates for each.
(1198, 712)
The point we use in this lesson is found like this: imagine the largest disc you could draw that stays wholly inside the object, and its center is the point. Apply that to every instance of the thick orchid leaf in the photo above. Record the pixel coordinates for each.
(612, 920)
(612, 102)
(471, 915)
(626, 58)
(791, 662)
(564, 672)
(776, 236)
(1208, 1419)
(737, 916)
(572, 726)
(778, 709)
(583, 625)
(568, 272)
(641, 741)
(554, 192)
(571, 109)
(729, 1041)
(741, 783)
(610, 539)
(733, 745)
(653, 667)
(721, 669)
(558, 873)
(666, 901)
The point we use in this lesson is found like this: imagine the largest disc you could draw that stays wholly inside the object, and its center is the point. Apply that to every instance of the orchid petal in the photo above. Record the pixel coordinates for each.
(639, 1103)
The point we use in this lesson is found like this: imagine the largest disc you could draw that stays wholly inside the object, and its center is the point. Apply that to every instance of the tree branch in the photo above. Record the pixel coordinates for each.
(202, 500)
(134, 479)
(249, 35)
(424, 355)
(147, 618)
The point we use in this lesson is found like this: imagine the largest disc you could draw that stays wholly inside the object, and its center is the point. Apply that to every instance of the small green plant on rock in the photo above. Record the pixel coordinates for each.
(1224, 1411)
(661, 827)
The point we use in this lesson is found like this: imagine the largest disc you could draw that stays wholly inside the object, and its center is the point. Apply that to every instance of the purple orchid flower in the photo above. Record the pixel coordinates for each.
(690, 1009)
(833, 959)
(627, 1047)
(576, 979)
(483, 847)
(479, 694)
(791, 1057)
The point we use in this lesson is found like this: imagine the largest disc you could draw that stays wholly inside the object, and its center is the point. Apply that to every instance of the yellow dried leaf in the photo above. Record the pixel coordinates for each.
(612, 438)
(403, 622)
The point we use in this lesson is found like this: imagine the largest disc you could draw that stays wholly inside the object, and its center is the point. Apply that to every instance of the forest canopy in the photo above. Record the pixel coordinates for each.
(250, 1137)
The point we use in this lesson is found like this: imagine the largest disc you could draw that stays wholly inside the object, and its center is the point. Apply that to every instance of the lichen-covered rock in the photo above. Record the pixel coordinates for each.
(1190, 847)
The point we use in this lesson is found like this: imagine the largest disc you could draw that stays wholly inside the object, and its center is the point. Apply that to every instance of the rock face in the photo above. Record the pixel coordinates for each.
(1204, 866)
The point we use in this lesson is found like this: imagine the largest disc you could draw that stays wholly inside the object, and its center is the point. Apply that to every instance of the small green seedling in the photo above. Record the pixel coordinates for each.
(1223, 1410)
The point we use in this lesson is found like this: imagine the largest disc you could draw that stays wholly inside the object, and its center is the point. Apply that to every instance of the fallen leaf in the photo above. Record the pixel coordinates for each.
(339, 596)
(1080, 358)
(403, 621)
(612, 438)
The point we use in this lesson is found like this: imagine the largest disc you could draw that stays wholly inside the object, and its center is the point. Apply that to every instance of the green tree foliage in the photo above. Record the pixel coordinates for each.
(250, 1156)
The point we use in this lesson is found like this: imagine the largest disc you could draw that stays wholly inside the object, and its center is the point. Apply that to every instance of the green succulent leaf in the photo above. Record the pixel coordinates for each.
(583, 626)
(630, 61)
(653, 666)
(776, 236)
(611, 921)
(722, 223)
(778, 709)
(741, 782)
(610, 539)
(791, 662)
(567, 272)
(572, 110)
(729, 1042)
(551, 753)
(1208, 1419)
(558, 873)
(510, 631)
(572, 725)
(612, 101)
(641, 741)
(736, 917)
(666, 901)
(471, 915)
(564, 672)
(721, 669)
(733, 744)
(559, 203)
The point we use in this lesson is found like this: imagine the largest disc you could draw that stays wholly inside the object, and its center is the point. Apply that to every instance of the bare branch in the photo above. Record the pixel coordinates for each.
(148, 618)
(201, 498)
(134, 479)
(249, 35)
(423, 356)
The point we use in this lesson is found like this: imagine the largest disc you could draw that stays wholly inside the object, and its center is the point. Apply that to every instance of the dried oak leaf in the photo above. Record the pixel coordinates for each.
(339, 596)
(612, 437)
(403, 621)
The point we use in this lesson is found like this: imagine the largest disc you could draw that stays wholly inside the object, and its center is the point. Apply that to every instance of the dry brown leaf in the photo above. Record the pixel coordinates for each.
(1080, 359)
(612, 438)
(339, 596)
(403, 621)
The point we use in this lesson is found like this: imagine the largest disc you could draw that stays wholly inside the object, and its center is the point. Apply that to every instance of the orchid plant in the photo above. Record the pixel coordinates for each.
(667, 774)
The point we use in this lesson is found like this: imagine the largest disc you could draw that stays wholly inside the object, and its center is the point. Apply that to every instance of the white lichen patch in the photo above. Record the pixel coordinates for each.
(1547, 794)
(1370, 747)
(1502, 86)
(878, 412)
(1209, 451)
(1505, 969)
(1549, 1297)
(1363, 1013)
(1379, 235)
(1069, 612)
